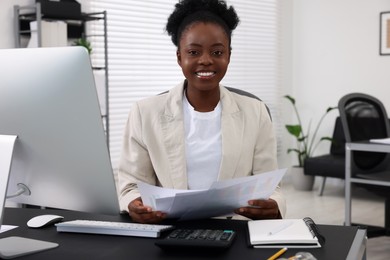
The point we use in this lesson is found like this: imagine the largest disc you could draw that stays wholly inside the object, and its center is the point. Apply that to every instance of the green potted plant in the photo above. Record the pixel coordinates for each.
(85, 43)
(306, 144)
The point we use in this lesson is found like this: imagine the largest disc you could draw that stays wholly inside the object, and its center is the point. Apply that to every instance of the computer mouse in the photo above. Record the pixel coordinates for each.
(43, 220)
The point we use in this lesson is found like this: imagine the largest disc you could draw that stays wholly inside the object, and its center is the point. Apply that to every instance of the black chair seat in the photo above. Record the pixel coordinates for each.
(332, 164)
(326, 166)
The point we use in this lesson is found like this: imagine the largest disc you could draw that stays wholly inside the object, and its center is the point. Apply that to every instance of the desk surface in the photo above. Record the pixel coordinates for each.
(341, 242)
(368, 146)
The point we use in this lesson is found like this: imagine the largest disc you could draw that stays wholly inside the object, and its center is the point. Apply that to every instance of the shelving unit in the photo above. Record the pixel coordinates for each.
(76, 28)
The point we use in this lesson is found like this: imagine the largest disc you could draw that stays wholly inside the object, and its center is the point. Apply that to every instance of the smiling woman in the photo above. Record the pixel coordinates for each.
(198, 132)
(142, 61)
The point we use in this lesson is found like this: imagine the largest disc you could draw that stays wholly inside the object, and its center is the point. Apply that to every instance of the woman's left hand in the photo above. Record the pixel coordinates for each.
(260, 209)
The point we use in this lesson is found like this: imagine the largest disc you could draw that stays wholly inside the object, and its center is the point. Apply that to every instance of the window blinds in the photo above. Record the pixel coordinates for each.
(142, 60)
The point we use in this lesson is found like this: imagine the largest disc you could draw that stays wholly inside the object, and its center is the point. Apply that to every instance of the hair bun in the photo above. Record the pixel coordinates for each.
(186, 8)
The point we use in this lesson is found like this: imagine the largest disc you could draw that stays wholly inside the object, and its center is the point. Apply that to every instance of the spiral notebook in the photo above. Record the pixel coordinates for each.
(276, 233)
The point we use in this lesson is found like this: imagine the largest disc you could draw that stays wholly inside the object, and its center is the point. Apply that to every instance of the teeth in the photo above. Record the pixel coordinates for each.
(205, 74)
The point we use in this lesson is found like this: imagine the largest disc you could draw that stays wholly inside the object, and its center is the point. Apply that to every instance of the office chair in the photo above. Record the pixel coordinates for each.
(364, 117)
(329, 165)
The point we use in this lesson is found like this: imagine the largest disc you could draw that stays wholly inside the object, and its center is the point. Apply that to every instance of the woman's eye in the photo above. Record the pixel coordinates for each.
(217, 53)
(193, 53)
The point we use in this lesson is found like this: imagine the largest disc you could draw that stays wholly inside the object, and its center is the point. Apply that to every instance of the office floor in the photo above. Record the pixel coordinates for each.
(329, 209)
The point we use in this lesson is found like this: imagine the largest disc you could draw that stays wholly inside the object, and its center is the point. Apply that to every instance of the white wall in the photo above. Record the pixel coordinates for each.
(6, 21)
(285, 140)
(335, 51)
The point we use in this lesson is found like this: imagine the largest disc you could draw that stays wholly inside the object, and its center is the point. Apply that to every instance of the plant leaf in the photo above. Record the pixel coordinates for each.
(327, 138)
(293, 150)
(292, 100)
(295, 130)
(330, 109)
(302, 139)
(85, 43)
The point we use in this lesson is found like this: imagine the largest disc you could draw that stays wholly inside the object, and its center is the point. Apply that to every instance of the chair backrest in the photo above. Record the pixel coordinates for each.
(337, 146)
(245, 93)
(364, 117)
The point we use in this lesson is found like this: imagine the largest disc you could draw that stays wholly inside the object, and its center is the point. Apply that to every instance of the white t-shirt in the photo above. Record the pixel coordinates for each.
(203, 145)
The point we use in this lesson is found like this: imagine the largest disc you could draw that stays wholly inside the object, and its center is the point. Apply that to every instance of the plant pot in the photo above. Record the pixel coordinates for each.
(300, 180)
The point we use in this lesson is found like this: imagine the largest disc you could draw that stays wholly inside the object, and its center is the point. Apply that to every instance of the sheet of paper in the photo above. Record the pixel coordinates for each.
(222, 198)
(4, 228)
(150, 194)
(381, 141)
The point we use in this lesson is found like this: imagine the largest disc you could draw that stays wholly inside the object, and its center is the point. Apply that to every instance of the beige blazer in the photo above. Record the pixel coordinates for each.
(154, 151)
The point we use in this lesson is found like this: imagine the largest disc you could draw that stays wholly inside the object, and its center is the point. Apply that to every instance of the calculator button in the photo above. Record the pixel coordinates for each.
(197, 238)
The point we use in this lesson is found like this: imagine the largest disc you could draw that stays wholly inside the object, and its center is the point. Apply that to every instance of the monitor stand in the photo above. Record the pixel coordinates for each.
(11, 247)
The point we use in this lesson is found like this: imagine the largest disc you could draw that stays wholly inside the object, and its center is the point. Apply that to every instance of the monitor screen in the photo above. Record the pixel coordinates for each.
(49, 101)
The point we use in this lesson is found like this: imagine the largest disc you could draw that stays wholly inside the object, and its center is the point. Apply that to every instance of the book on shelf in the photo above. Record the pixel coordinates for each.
(278, 233)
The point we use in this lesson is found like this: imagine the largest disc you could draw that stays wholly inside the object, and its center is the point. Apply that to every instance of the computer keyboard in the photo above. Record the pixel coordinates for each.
(112, 228)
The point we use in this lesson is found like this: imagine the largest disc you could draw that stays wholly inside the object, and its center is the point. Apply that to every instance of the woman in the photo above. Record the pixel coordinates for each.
(198, 132)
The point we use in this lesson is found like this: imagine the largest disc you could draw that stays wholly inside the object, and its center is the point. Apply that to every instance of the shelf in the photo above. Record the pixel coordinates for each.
(76, 29)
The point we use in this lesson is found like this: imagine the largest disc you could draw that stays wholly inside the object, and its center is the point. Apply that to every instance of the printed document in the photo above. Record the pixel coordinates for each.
(222, 198)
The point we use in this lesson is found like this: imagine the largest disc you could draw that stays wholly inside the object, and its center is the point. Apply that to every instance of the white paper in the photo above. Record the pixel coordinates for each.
(4, 228)
(150, 193)
(222, 198)
(381, 141)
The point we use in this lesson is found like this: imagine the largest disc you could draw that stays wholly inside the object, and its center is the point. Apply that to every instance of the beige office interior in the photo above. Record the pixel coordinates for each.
(328, 48)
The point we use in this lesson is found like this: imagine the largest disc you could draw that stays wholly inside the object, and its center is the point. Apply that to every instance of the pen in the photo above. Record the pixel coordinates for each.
(277, 254)
(280, 228)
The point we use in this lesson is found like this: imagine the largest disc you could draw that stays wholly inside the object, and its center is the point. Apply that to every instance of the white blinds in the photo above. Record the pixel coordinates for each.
(142, 59)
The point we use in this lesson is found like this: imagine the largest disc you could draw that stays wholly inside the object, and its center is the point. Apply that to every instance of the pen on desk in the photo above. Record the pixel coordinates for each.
(277, 254)
(280, 228)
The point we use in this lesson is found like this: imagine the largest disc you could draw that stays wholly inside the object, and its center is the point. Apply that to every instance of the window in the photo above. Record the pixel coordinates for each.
(142, 59)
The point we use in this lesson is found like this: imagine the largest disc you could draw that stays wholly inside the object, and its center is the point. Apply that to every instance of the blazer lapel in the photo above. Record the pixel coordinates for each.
(173, 135)
(232, 127)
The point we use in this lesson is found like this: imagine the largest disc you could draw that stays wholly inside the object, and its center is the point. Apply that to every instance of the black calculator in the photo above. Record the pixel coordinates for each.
(197, 238)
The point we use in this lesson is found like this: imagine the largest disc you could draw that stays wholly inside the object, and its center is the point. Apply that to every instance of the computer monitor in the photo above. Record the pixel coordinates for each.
(49, 101)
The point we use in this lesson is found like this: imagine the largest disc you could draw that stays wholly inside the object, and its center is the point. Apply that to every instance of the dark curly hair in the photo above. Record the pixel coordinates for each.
(188, 12)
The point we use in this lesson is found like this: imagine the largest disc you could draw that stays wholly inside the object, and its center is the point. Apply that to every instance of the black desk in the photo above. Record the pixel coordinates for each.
(342, 242)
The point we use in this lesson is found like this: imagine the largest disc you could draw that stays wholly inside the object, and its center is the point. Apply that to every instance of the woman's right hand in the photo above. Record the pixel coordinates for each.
(144, 214)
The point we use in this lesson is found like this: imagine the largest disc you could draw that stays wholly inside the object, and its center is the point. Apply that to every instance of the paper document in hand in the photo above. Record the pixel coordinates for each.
(222, 198)
(150, 194)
